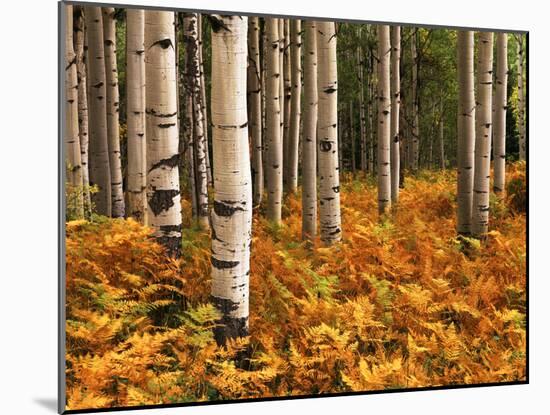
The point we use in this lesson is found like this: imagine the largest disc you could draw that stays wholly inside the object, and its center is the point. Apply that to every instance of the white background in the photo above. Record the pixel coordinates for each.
(28, 204)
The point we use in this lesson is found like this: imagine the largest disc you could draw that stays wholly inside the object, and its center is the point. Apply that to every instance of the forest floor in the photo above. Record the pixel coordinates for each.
(400, 303)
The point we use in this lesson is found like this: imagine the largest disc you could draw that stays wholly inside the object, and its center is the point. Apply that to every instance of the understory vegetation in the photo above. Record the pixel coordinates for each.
(399, 303)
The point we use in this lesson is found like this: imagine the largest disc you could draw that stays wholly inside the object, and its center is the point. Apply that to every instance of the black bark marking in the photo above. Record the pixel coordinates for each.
(221, 264)
(228, 327)
(158, 114)
(169, 162)
(162, 200)
(226, 208)
(166, 125)
(163, 43)
(325, 145)
(329, 90)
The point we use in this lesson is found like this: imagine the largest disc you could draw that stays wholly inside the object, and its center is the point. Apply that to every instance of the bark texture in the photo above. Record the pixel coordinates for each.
(295, 103)
(163, 192)
(287, 80)
(500, 105)
(100, 174)
(232, 212)
(255, 103)
(414, 97)
(521, 101)
(273, 120)
(327, 125)
(466, 131)
(72, 140)
(395, 105)
(113, 134)
(135, 117)
(484, 125)
(384, 120)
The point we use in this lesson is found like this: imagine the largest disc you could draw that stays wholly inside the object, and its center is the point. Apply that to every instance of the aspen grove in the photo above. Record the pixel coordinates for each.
(271, 206)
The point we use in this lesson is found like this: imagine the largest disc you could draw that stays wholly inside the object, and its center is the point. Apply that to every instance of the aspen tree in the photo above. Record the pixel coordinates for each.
(441, 136)
(327, 124)
(163, 193)
(72, 142)
(113, 135)
(81, 47)
(255, 102)
(384, 120)
(204, 108)
(232, 212)
(466, 131)
(500, 104)
(135, 118)
(273, 119)
(395, 107)
(100, 174)
(362, 120)
(193, 89)
(414, 99)
(352, 138)
(281, 23)
(309, 140)
(287, 73)
(371, 111)
(295, 103)
(482, 169)
(521, 100)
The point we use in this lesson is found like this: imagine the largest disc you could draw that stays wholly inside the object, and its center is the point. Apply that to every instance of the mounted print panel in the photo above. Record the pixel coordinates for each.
(263, 207)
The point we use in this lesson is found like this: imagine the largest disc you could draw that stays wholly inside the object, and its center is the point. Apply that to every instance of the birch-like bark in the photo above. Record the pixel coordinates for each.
(163, 192)
(255, 102)
(135, 118)
(193, 89)
(295, 103)
(371, 112)
(414, 97)
(100, 174)
(273, 120)
(500, 105)
(442, 163)
(466, 131)
(395, 105)
(362, 120)
(287, 73)
(327, 124)
(204, 107)
(232, 213)
(309, 140)
(352, 138)
(384, 120)
(521, 100)
(72, 141)
(480, 212)
(81, 51)
(281, 23)
(113, 134)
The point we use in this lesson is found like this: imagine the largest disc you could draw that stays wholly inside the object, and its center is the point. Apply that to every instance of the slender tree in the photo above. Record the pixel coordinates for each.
(395, 103)
(113, 134)
(521, 102)
(371, 110)
(500, 105)
(135, 118)
(295, 103)
(352, 138)
(163, 192)
(480, 212)
(281, 23)
(193, 89)
(414, 99)
(384, 120)
(327, 124)
(441, 136)
(204, 107)
(100, 174)
(309, 140)
(232, 213)
(466, 131)
(273, 117)
(362, 120)
(255, 102)
(287, 80)
(72, 142)
(81, 47)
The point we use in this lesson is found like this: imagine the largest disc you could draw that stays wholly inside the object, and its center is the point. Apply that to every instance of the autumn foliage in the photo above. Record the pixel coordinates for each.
(397, 304)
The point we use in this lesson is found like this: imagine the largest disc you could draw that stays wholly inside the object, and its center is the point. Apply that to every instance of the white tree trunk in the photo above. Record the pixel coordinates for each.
(362, 120)
(521, 100)
(482, 169)
(113, 134)
(500, 104)
(395, 107)
(327, 124)
(295, 103)
(414, 96)
(384, 120)
(232, 213)
(135, 118)
(72, 140)
(281, 23)
(441, 136)
(466, 131)
(309, 139)
(287, 73)
(100, 174)
(255, 102)
(163, 192)
(80, 51)
(273, 119)
(204, 107)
